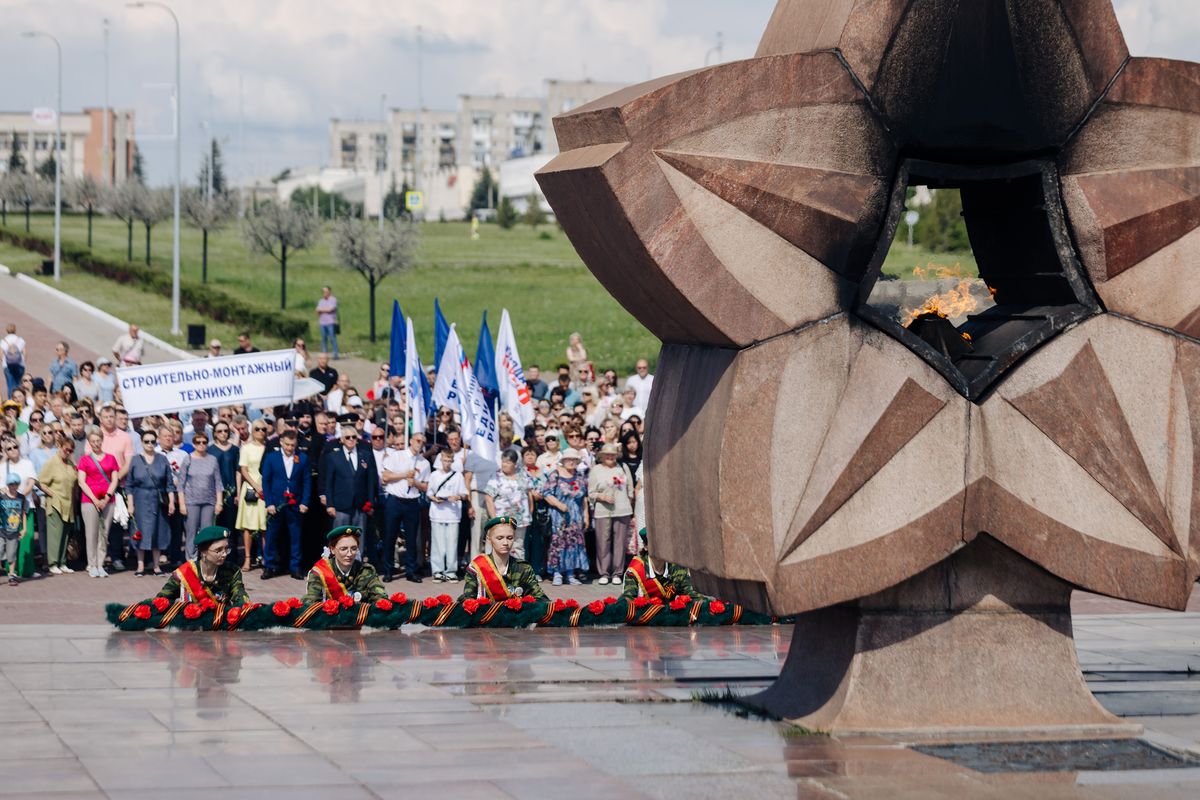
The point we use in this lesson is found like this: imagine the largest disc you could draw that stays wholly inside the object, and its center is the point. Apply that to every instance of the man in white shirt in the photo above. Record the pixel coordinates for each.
(404, 477)
(129, 348)
(12, 350)
(641, 381)
(335, 400)
(631, 406)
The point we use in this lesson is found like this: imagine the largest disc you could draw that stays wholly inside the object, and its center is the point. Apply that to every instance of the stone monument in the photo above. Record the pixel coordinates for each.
(927, 508)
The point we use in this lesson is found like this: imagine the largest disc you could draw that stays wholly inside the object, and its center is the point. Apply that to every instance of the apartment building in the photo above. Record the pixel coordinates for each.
(81, 146)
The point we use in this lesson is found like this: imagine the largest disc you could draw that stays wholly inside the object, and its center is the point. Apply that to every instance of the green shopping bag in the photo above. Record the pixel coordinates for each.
(25, 552)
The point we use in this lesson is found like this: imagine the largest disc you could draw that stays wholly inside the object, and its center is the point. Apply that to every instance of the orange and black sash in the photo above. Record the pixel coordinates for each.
(489, 577)
(651, 587)
(191, 588)
(333, 587)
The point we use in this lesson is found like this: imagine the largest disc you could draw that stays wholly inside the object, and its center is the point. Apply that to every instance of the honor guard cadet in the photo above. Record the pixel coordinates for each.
(499, 576)
(342, 574)
(662, 581)
(208, 575)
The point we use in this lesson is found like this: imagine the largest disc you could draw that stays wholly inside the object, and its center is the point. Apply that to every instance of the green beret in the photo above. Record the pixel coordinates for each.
(494, 521)
(642, 533)
(213, 533)
(343, 530)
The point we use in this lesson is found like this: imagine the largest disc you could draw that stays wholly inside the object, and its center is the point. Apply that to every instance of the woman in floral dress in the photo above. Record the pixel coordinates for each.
(566, 494)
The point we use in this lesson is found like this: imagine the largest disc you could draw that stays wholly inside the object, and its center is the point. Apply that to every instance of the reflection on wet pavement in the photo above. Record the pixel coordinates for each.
(485, 713)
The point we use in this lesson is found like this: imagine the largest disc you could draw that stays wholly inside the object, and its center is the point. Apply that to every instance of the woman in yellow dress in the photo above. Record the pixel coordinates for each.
(252, 508)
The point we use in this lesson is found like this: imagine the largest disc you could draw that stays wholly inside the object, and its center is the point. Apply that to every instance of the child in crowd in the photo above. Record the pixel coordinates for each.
(446, 492)
(12, 525)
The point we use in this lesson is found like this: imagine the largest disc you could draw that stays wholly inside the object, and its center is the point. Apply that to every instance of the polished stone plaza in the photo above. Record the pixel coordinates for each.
(496, 714)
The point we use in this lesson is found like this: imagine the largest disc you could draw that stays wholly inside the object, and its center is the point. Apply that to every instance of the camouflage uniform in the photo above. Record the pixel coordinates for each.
(362, 579)
(227, 587)
(674, 579)
(520, 579)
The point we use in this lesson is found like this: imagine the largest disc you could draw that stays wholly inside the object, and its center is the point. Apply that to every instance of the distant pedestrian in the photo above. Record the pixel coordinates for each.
(214, 349)
(324, 373)
(129, 348)
(106, 381)
(327, 318)
(13, 347)
(62, 368)
(244, 344)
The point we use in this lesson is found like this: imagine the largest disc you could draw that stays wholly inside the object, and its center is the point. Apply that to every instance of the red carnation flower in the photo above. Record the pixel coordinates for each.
(142, 611)
(430, 602)
(331, 606)
(161, 604)
(608, 601)
(483, 601)
(687, 598)
(400, 598)
(559, 605)
(656, 601)
(470, 605)
(383, 604)
(282, 608)
(513, 603)
(294, 602)
(716, 607)
(445, 599)
(207, 603)
(528, 599)
(346, 601)
(234, 615)
(191, 611)
(641, 602)
(679, 603)
(368, 508)
(596, 607)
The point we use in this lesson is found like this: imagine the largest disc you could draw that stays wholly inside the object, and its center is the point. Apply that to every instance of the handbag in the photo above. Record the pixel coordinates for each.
(249, 496)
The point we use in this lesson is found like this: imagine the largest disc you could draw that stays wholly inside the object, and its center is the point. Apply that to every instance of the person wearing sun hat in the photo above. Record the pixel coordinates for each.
(342, 574)
(500, 575)
(656, 580)
(208, 575)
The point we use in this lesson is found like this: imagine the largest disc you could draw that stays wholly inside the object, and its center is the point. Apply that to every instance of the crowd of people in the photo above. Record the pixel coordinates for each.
(89, 488)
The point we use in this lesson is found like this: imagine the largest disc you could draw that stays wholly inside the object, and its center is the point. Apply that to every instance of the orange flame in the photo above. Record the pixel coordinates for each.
(954, 303)
(933, 271)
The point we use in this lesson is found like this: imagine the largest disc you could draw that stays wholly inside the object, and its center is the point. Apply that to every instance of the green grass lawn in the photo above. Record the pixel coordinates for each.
(536, 275)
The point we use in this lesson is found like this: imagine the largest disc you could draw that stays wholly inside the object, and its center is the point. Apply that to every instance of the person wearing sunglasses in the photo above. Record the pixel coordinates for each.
(207, 576)
(350, 480)
(252, 511)
(151, 496)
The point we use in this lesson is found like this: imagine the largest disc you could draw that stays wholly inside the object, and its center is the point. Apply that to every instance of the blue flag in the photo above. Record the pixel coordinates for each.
(485, 364)
(396, 360)
(441, 332)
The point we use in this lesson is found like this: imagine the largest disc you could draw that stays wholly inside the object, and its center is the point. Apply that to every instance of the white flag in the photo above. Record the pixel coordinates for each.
(414, 380)
(448, 388)
(515, 397)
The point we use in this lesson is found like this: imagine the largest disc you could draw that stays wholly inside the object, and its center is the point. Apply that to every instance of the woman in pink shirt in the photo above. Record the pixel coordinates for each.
(98, 476)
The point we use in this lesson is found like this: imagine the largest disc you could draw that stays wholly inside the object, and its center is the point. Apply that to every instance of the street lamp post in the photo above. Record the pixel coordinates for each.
(178, 165)
(57, 157)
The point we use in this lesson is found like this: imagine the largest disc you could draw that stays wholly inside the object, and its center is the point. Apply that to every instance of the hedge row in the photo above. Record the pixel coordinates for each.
(212, 303)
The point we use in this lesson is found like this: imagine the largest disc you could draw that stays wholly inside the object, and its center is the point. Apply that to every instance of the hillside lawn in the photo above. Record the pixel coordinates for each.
(536, 275)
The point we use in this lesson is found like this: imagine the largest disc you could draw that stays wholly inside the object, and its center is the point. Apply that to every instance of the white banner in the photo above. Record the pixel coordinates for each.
(261, 379)
(458, 389)
(414, 372)
(514, 392)
(448, 386)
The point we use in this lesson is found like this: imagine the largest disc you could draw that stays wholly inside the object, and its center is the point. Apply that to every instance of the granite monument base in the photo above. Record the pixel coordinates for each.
(978, 646)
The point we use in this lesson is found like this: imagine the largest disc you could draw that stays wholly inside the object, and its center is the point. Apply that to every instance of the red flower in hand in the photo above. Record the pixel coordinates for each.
(207, 603)
(430, 602)
(383, 604)
(161, 604)
(400, 598)
(368, 508)
(234, 615)
(331, 606)
(346, 601)
(291, 498)
(294, 602)
(281, 608)
(191, 611)
(470, 605)
(596, 607)
(528, 599)
(142, 611)
(641, 602)
(679, 603)
(513, 603)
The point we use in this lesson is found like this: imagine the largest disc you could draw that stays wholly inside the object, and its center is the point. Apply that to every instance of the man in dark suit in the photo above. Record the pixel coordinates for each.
(350, 480)
(285, 482)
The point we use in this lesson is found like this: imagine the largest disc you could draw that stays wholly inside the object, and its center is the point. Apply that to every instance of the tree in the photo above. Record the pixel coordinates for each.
(155, 205)
(16, 161)
(208, 213)
(506, 215)
(941, 227)
(45, 170)
(374, 253)
(534, 215)
(86, 193)
(326, 205)
(139, 165)
(123, 201)
(23, 189)
(481, 195)
(393, 201)
(214, 161)
(275, 229)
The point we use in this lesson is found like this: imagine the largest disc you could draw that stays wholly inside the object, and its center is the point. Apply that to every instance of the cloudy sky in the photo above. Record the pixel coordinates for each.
(300, 62)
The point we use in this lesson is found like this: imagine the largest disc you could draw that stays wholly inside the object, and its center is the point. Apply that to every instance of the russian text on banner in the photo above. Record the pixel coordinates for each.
(251, 378)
